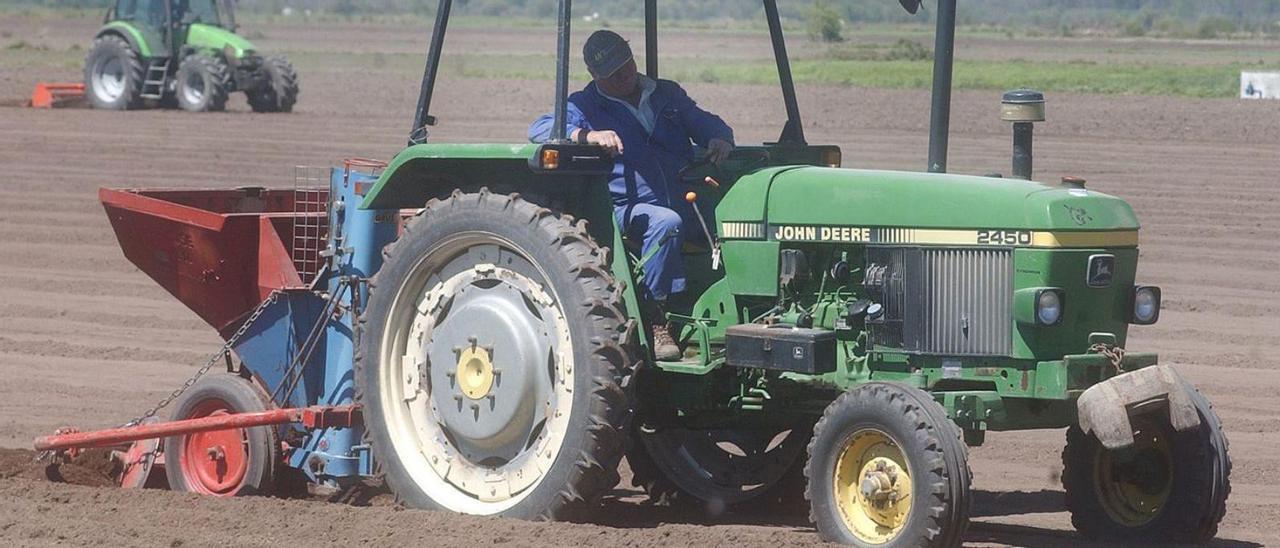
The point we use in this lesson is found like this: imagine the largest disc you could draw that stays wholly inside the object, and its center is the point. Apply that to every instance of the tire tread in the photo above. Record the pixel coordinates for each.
(593, 469)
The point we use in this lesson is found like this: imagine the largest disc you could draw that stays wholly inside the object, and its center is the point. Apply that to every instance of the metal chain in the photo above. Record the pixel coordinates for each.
(1113, 353)
(44, 456)
(224, 351)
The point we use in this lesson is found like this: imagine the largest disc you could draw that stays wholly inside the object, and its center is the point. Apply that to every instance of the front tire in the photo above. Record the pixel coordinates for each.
(203, 83)
(491, 360)
(887, 468)
(113, 74)
(1169, 486)
(281, 90)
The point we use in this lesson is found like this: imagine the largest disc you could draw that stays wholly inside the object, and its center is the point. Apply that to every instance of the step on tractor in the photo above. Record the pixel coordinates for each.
(182, 53)
(463, 322)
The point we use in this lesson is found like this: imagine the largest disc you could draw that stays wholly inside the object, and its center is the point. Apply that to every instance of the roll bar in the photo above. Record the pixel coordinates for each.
(792, 130)
(421, 118)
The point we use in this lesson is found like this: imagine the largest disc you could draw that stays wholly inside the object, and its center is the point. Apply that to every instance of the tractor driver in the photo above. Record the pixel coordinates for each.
(650, 127)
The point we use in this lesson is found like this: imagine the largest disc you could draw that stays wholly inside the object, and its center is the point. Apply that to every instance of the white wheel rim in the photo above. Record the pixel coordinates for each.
(193, 87)
(108, 80)
(428, 438)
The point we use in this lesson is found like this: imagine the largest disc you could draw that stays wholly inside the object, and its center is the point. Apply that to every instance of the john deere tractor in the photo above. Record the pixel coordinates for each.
(182, 53)
(848, 333)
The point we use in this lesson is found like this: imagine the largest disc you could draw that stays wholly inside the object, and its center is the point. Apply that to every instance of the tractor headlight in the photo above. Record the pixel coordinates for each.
(1039, 306)
(1146, 304)
(1049, 306)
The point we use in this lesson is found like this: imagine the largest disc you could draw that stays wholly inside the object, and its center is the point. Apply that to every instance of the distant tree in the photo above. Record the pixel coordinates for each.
(1212, 26)
(824, 22)
(345, 8)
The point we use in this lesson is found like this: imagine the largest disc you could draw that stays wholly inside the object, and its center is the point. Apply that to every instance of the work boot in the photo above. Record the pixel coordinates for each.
(664, 346)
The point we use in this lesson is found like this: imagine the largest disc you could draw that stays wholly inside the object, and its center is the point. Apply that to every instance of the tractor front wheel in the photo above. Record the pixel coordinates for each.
(113, 74)
(491, 361)
(280, 91)
(1169, 486)
(237, 461)
(203, 82)
(887, 468)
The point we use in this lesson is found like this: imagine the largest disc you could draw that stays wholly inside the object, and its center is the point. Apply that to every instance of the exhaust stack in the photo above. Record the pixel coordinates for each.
(1023, 107)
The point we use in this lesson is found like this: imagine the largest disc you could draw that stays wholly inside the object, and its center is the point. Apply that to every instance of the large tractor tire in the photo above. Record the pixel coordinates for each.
(888, 468)
(234, 462)
(1169, 487)
(739, 469)
(113, 74)
(203, 83)
(281, 91)
(491, 358)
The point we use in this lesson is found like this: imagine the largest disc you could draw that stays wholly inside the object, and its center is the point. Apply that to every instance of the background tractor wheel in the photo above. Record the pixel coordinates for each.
(113, 74)
(1169, 487)
(203, 82)
(491, 360)
(239, 461)
(722, 468)
(280, 94)
(887, 468)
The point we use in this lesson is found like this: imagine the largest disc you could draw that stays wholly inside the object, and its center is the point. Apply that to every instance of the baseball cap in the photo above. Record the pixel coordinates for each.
(605, 52)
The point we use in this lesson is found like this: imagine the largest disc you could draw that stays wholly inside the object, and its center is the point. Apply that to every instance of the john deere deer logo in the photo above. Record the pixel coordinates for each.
(1079, 215)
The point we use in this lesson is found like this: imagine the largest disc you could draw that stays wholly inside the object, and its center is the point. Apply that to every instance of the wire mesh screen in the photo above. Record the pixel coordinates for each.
(310, 220)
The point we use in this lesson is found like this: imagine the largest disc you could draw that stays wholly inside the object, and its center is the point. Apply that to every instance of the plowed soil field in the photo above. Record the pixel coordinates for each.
(87, 339)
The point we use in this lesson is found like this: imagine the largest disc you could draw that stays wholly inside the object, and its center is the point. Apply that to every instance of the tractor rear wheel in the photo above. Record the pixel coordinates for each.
(1168, 487)
(238, 461)
(113, 74)
(281, 89)
(203, 82)
(491, 358)
(888, 468)
(721, 468)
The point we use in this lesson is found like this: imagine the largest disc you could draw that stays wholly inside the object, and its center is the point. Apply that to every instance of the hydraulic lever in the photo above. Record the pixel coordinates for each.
(692, 198)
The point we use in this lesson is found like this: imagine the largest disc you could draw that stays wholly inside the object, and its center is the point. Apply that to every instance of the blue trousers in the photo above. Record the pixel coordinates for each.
(659, 227)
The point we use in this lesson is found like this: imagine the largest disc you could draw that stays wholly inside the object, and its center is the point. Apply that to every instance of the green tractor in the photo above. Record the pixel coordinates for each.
(849, 333)
(182, 53)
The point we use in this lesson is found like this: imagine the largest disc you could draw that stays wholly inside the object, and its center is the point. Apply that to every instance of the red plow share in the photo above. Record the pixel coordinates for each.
(50, 94)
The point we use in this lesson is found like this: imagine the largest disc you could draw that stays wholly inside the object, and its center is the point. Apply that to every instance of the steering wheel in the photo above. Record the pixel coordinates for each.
(741, 160)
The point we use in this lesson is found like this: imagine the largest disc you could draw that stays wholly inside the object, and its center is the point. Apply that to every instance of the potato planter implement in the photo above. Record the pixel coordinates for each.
(464, 323)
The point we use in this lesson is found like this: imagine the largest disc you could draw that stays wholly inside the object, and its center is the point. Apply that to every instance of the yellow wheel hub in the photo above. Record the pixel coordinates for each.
(1134, 490)
(873, 486)
(475, 372)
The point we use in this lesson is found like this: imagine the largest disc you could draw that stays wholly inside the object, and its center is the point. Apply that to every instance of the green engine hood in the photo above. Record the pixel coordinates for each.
(214, 38)
(863, 198)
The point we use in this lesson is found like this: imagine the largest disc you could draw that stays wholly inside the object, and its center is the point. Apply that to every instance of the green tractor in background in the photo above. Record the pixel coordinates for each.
(182, 53)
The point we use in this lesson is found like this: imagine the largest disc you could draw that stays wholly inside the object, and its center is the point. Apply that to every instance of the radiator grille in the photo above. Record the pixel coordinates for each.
(967, 303)
(951, 301)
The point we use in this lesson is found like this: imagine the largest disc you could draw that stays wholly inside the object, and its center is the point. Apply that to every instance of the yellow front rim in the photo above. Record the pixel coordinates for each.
(1133, 490)
(873, 486)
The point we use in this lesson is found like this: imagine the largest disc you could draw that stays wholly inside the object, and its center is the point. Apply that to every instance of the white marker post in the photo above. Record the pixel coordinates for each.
(1260, 85)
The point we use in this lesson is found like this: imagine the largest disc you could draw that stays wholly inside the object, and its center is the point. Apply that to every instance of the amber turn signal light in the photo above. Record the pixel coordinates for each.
(831, 157)
(550, 158)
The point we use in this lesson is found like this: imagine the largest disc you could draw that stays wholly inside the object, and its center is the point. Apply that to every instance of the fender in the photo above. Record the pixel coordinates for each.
(421, 172)
(135, 37)
(1105, 409)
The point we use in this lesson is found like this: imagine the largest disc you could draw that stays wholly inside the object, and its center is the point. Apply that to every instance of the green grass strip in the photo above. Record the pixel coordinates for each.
(1081, 77)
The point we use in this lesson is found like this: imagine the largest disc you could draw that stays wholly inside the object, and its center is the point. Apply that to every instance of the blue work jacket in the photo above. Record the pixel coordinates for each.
(646, 171)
